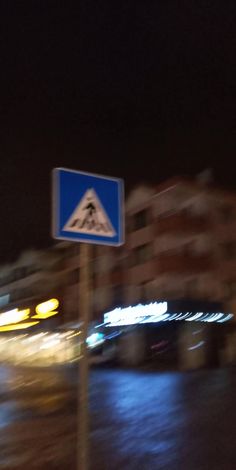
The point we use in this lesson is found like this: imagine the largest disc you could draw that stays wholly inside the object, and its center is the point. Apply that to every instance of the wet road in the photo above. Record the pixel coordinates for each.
(139, 420)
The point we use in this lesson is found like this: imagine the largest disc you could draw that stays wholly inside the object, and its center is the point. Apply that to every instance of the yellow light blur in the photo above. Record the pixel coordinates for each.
(44, 316)
(48, 306)
(66, 334)
(75, 334)
(18, 326)
(14, 316)
(46, 309)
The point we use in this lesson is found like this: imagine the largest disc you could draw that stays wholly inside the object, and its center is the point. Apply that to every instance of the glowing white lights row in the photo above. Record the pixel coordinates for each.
(136, 314)
(157, 312)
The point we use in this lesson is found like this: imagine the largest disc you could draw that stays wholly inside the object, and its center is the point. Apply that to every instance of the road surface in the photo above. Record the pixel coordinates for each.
(139, 420)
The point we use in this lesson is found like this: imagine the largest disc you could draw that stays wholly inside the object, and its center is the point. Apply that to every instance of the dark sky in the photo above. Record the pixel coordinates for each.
(139, 89)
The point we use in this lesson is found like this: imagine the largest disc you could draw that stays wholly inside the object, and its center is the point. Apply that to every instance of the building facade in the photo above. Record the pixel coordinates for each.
(180, 246)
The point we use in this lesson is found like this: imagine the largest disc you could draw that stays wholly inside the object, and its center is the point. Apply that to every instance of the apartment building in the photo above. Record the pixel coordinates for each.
(180, 244)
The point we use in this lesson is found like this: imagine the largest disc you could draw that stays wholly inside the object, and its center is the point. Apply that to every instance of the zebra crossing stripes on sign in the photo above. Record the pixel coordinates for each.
(90, 217)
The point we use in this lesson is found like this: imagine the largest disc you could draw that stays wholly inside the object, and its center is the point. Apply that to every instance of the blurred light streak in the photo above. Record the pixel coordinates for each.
(155, 313)
(46, 309)
(18, 326)
(198, 345)
(14, 316)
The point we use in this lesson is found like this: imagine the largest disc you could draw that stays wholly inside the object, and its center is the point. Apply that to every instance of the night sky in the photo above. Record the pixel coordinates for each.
(139, 89)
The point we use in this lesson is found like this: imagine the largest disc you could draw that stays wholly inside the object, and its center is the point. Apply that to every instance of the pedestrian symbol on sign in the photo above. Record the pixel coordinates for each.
(89, 217)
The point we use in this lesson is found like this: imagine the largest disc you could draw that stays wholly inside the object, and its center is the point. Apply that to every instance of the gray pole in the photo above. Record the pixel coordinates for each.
(84, 306)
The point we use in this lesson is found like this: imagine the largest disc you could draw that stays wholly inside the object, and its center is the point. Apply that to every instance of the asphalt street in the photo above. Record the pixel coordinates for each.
(139, 419)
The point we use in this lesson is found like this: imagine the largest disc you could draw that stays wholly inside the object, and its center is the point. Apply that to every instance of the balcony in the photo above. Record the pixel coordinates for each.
(181, 223)
(183, 263)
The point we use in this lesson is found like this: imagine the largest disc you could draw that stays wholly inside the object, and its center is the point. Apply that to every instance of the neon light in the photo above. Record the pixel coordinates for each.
(172, 317)
(156, 318)
(176, 317)
(18, 326)
(14, 316)
(183, 316)
(216, 317)
(208, 318)
(228, 317)
(44, 316)
(136, 314)
(46, 309)
(195, 317)
(157, 312)
(205, 316)
(48, 306)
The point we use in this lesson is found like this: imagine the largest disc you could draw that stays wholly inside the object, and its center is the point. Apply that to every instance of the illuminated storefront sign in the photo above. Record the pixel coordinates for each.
(158, 312)
(16, 319)
(46, 309)
(14, 316)
(133, 315)
(18, 326)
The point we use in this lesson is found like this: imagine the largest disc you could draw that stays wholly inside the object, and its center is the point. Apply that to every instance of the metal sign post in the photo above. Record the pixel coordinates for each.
(87, 208)
(84, 309)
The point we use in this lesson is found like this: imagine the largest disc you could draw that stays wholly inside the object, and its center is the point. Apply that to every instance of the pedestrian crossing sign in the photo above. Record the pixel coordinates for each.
(87, 207)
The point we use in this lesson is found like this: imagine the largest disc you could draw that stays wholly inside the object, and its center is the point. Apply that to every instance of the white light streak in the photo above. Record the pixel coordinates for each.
(157, 312)
(198, 345)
